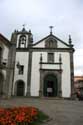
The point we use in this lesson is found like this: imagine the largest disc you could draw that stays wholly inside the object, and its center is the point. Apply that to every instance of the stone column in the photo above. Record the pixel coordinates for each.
(41, 83)
(72, 73)
(59, 83)
(29, 73)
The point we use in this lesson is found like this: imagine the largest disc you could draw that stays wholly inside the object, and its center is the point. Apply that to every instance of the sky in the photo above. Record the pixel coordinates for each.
(65, 15)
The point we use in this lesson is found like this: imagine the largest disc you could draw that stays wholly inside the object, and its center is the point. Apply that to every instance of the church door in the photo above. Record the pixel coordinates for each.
(50, 86)
(20, 88)
(1, 84)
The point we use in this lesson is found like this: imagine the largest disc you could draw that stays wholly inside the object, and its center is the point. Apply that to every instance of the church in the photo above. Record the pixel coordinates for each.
(36, 69)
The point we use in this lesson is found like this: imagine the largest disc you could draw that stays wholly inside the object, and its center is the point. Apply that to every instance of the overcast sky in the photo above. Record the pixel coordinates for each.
(65, 15)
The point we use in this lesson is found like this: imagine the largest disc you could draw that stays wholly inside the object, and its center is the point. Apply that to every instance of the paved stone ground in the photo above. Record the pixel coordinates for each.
(62, 112)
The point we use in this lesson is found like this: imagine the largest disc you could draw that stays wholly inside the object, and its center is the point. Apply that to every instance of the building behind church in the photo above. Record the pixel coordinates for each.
(36, 69)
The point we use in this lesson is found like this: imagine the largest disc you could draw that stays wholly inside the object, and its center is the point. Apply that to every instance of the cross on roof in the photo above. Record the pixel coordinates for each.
(24, 25)
(51, 27)
(23, 29)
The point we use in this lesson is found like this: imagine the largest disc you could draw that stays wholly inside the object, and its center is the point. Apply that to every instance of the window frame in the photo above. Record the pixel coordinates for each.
(22, 38)
(50, 58)
(21, 70)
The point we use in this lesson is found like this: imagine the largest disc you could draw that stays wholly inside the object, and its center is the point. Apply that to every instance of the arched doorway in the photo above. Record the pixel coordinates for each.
(20, 88)
(1, 84)
(50, 86)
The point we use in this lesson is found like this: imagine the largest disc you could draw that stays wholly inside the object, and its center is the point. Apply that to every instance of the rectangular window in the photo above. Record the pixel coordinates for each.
(50, 57)
(21, 69)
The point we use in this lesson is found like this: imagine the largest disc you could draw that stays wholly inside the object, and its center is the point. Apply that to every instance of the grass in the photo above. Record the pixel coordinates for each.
(42, 117)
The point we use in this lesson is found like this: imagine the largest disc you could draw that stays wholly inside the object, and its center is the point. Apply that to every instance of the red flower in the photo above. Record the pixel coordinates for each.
(12, 116)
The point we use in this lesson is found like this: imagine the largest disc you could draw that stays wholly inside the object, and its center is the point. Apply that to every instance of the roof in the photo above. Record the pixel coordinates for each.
(5, 40)
(76, 78)
(51, 35)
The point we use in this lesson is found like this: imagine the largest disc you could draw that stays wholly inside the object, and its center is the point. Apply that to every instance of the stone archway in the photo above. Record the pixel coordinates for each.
(50, 87)
(1, 83)
(20, 86)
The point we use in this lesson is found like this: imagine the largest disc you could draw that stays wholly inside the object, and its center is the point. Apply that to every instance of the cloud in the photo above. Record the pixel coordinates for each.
(78, 62)
(65, 15)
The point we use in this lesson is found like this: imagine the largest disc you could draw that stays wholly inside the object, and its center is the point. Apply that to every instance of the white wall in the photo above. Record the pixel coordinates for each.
(35, 79)
(40, 45)
(22, 58)
(66, 79)
(5, 51)
(59, 44)
(50, 66)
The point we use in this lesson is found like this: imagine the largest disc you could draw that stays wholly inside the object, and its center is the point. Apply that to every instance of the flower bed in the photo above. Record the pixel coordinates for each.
(18, 115)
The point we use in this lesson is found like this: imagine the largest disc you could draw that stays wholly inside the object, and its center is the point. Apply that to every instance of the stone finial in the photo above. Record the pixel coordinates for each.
(60, 58)
(23, 30)
(29, 31)
(31, 38)
(15, 31)
(60, 61)
(41, 57)
(70, 40)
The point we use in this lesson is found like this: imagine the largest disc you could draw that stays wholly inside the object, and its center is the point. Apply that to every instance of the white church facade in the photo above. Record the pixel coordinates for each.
(41, 69)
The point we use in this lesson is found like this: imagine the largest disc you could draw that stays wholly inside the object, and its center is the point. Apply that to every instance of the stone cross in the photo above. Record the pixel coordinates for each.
(24, 25)
(51, 27)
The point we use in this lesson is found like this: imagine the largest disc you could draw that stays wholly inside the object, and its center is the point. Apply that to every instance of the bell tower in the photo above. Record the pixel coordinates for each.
(23, 39)
(23, 59)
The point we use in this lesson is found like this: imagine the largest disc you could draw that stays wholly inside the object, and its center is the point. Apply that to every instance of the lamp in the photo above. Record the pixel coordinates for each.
(18, 64)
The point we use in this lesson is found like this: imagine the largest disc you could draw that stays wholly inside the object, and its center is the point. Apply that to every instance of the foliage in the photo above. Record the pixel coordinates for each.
(41, 117)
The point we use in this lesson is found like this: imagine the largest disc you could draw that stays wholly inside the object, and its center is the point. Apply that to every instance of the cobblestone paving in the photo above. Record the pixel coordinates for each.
(61, 112)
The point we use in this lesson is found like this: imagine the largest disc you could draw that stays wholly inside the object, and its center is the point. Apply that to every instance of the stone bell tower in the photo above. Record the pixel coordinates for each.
(23, 60)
